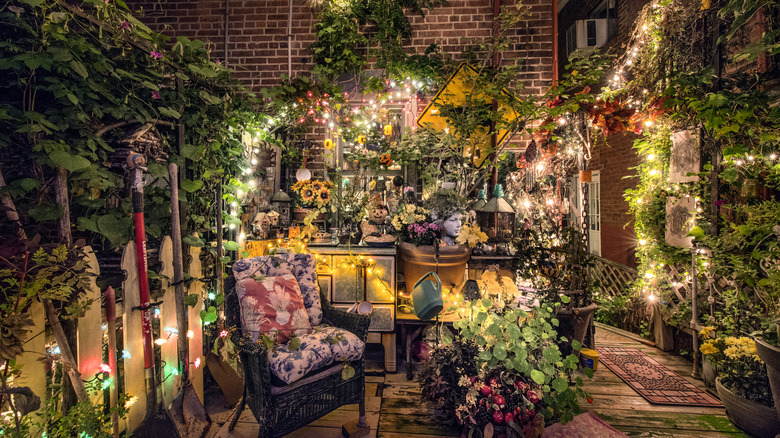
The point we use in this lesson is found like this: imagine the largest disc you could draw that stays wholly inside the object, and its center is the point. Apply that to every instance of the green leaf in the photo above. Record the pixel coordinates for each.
(231, 246)
(576, 345)
(729, 175)
(46, 212)
(78, 68)
(169, 112)
(191, 186)
(560, 384)
(499, 351)
(537, 376)
(696, 232)
(294, 344)
(348, 372)
(191, 300)
(28, 184)
(194, 241)
(485, 355)
(72, 163)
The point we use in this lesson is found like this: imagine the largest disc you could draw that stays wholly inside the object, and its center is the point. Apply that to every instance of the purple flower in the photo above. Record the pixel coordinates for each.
(155, 54)
(719, 203)
(125, 25)
(218, 61)
(408, 189)
(156, 94)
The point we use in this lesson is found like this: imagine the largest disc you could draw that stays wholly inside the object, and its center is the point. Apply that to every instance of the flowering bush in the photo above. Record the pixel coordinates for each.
(501, 399)
(413, 224)
(740, 369)
(471, 235)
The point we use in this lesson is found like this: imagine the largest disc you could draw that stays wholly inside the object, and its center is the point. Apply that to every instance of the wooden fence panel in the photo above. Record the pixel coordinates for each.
(132, 323)
(195, 323)
(168, 327)
(90, 328)
(33, 368)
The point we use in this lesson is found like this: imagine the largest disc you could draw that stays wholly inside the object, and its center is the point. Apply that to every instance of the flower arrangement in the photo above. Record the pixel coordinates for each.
(501, 399)
(739, 368)
(313, 192)
(413, 224)
(471, 235)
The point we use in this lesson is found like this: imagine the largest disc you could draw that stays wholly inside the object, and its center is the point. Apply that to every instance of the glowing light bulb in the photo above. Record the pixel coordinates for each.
(190, 334)
(651, 157)
(104, 368)
(160, 341)
(642, 241)
(648, 123)
(540, 167)
(651, 297)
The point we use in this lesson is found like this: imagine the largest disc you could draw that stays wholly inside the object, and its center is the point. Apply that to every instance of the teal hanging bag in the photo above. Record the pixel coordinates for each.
(426, 297)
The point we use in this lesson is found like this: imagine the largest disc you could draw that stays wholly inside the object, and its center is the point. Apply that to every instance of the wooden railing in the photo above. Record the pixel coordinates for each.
(91, 330)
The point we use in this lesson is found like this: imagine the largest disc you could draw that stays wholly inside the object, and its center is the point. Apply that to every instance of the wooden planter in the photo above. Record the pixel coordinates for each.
(417, 260)
(754, 418)
(771, 357)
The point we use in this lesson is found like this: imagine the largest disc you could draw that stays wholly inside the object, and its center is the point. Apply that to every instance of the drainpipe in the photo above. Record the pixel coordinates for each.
(227, 29)
(289, 42)
(555, 42)
(494, 137)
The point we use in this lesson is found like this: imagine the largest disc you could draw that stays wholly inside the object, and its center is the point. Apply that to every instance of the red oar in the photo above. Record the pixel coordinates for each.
(135, 162)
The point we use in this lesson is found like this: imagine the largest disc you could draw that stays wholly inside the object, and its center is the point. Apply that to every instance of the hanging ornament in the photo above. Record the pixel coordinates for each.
(361, 139)
(386, 160)
(328, 144)
(398, 181)
(530, 152)
(388, 129)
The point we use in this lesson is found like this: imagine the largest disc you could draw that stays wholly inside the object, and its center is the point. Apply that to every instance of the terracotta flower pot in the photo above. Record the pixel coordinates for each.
(771, 357)
(299, 214)
(417, 260)
(752, 417)
(586, 176)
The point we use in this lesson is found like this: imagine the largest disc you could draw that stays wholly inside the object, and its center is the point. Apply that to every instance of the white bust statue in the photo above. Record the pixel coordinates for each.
(451, 229)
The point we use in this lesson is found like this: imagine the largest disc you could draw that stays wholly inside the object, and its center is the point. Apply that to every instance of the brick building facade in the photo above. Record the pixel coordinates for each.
(257, 34)
(614, 159)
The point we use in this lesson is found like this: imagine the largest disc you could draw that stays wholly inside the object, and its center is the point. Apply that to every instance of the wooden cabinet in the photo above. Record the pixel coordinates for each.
(343, 282)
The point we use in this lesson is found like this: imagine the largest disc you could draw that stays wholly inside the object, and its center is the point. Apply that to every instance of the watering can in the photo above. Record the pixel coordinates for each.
(426, 297)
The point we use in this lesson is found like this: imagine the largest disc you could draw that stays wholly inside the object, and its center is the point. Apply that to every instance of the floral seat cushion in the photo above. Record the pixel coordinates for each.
(273, 306)
(318, 349)
(302, 266)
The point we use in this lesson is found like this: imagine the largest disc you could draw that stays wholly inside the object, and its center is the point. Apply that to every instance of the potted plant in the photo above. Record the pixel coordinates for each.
(742, 384)
(312, 197)
(351, 203)
(427, 239)
(768, 350)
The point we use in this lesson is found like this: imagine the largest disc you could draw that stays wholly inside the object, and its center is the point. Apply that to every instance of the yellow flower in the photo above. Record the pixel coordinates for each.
(324, 197)
(731, 340)
(707, 332)
(307, 194)
(316, 186)
(708, 348)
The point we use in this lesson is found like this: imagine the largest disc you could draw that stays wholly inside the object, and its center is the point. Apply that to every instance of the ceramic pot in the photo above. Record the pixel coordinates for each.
(573, 324)
(770, 354)
(418, 260)
(752, 417)
(708, 372)
(299, 214)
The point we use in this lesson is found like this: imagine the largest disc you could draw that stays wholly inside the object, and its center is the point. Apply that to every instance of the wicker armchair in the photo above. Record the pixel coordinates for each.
(283, 409)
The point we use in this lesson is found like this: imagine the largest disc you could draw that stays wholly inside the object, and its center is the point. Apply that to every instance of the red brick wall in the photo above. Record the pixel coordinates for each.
(257, 45)
(613, 160)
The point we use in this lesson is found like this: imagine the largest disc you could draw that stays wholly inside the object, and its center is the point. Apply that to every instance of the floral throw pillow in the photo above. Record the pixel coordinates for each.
(274, 306)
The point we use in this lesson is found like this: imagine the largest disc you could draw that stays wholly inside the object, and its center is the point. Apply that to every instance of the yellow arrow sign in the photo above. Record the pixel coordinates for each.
(458, 92)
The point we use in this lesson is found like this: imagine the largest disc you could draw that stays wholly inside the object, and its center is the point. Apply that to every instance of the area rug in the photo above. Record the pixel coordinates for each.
(653, 381)
(585, 425)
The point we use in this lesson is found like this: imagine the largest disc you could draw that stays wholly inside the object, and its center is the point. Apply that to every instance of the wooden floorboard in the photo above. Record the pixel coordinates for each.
(395, 408)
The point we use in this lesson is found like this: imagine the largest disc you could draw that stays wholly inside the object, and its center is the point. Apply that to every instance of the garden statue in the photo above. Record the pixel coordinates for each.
(451, 229)
(375, 223)
(447, 209)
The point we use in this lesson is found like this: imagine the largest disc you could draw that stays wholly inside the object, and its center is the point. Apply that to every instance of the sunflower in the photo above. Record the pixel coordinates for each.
(298, 185)
(316, 186)
(307, 194)
(324, 197)
(328, 184)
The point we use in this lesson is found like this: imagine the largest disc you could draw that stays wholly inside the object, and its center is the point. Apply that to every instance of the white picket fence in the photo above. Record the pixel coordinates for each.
(90, 336)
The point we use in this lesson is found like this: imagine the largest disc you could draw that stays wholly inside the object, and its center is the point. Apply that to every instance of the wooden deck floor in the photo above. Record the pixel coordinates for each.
(395, 409)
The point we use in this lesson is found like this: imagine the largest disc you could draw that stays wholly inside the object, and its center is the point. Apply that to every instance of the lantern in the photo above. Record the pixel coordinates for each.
(480, 202)
(497, 218)
(282, 203)
(388, 130)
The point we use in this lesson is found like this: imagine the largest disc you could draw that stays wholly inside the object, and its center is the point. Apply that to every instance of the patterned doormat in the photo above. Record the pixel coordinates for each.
(653, 381)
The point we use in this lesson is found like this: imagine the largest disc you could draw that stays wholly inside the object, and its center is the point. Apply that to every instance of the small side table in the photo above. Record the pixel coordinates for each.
(411, 327)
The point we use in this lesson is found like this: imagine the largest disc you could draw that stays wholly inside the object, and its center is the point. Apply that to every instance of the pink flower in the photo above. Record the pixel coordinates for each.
(408, 189)
(155, 94)
(155, 54)
(125, 25)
